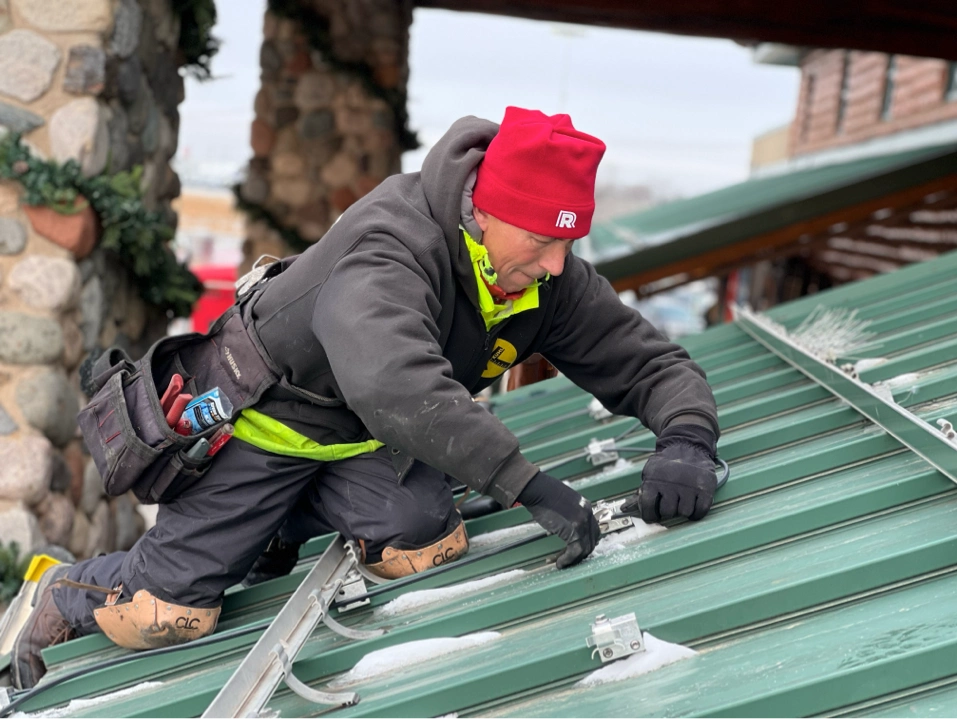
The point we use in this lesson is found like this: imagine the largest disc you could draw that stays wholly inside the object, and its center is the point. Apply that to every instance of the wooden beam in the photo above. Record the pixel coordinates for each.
(928, 235)
(899, 252)
(839, 273)
(833, 258)
(925, 28)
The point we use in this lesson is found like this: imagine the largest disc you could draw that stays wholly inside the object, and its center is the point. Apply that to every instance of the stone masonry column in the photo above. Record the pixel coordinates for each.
(330, 117)
(96, 81)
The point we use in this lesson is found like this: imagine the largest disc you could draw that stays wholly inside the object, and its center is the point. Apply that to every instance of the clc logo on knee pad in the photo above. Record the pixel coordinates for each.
(187, 623)
(449, 555)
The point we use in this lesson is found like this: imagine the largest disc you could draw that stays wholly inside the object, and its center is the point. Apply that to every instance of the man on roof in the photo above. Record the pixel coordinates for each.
(421, 295)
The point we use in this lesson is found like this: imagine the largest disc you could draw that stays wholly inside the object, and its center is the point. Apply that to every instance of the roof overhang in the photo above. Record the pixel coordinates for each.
(922, 28)
(775, 53)
(716, 246)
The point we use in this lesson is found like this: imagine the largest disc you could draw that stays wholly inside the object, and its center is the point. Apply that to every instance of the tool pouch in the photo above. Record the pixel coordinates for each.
(124, 424)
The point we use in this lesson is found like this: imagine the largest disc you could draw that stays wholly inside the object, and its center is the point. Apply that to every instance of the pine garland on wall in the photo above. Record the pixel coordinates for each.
(137, 236)
(197, 43)
(254, 213)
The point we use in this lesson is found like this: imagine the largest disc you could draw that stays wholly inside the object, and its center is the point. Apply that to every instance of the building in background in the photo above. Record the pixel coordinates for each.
(855, 105)
(862, 181)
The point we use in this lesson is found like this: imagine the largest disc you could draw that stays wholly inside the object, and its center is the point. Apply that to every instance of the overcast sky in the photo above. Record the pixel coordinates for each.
(677, 113)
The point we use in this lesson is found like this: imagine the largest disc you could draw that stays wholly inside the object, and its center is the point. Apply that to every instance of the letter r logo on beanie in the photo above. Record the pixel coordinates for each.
(566, 219)
(539, 174)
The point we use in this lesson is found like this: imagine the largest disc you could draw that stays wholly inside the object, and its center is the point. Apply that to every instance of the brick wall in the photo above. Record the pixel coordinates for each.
(820, 123)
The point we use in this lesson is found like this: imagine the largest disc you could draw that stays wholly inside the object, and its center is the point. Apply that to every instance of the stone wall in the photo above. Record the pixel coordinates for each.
(326, 130)
(97, 81)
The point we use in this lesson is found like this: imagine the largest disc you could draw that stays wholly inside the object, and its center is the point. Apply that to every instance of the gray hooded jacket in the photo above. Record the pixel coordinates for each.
(380, 321)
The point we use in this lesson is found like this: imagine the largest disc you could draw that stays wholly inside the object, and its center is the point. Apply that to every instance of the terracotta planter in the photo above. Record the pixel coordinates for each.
(77, 232)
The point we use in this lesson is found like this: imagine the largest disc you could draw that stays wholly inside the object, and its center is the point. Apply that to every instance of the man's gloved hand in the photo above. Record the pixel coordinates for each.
(679, 480)
(561, 510)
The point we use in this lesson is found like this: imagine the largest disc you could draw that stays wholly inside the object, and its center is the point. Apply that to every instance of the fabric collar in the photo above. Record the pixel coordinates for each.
(495, 308)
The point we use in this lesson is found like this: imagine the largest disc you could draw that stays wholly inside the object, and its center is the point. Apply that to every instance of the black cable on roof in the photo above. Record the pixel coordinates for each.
(413, 578)
(631, 430)
(722, 480)
(525, 431)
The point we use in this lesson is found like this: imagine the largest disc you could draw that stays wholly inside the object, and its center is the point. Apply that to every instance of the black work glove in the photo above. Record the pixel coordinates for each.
(561, 510)
(679, 479)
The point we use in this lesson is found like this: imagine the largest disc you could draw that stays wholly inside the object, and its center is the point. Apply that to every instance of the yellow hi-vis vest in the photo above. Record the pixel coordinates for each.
(494, 311)
(273, 436)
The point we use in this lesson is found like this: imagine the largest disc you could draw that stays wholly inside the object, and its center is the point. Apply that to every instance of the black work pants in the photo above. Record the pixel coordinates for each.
(206, 539)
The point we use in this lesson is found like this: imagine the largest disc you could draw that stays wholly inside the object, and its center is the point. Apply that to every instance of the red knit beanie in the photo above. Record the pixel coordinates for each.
(539, 174)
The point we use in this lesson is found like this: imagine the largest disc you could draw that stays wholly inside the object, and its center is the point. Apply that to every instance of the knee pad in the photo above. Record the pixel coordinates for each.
(147, 622)
(403, 562)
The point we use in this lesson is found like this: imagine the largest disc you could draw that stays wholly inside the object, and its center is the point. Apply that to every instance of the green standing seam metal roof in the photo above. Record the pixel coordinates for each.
(685, 228)
(822, 582)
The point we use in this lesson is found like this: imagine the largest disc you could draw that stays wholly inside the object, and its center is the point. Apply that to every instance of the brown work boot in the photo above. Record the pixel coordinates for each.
(44, 627)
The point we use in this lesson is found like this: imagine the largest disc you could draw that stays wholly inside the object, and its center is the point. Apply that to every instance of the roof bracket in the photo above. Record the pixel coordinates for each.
(269, 662)
(353, 585)
(597, 411)
(600, 452)
(907, 428)
(947, 429)
(358, 634)
(369, 576)
(344, 699)
(609, 517)
(615, 638)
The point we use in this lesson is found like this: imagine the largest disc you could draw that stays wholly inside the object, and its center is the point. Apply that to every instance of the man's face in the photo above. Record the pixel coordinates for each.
(518, 256)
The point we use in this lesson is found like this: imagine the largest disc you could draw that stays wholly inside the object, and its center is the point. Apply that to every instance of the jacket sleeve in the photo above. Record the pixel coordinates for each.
(614, 353)
(375, 317)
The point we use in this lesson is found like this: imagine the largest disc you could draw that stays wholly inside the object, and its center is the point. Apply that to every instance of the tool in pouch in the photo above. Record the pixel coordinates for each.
(209, 409)
(127, 424)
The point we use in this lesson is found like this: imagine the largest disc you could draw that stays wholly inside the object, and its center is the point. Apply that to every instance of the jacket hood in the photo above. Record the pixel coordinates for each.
(445, 171)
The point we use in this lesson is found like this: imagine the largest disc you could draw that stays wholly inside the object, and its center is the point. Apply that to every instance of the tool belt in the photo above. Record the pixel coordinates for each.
(124, 424)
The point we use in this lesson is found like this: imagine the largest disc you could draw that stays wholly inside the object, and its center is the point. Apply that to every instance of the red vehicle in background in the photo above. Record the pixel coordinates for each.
(219, 283)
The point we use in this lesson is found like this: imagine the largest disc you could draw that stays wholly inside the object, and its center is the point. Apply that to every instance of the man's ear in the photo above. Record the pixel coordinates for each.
(481, 218)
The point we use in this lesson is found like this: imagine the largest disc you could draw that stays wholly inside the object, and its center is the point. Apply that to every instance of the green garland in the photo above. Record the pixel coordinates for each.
(12, 569)
(136, 235)
(254, 212)
(196, 41)
(316, 28)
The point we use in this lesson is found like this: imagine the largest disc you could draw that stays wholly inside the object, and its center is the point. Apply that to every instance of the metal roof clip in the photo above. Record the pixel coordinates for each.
(947, 429)
(597, 411)
(269, 662)
(609, 518)
(615, 638)
(352, 586)
(601, 452)
(850, 370)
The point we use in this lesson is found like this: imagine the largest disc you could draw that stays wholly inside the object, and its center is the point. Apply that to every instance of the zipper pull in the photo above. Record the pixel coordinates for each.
(487, 338)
